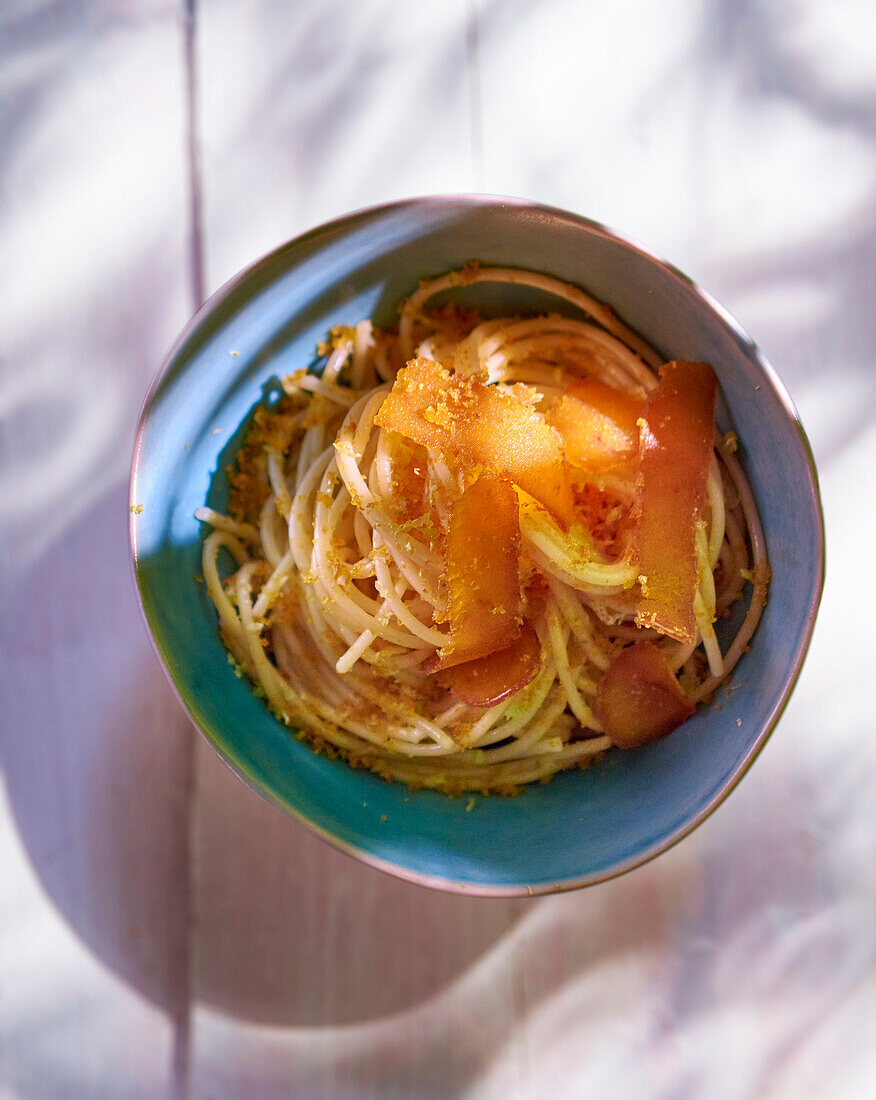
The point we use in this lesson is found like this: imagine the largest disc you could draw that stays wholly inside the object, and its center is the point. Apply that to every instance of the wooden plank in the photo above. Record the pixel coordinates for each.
(313, 109)
(318, 976)
(751, 944)
(594, 108)
(74, 1020)
(95, 751)
(336, 106)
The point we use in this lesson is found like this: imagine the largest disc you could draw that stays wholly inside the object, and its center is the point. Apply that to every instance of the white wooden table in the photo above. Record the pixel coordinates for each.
(164, 933)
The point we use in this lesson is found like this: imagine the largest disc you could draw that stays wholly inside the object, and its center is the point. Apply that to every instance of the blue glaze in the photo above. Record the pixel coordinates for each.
(582, 826)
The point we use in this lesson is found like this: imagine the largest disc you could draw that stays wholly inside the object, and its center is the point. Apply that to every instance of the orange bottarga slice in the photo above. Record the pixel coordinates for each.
(467, 421)
(675, 448)
(488, 680)
(408, 465)
(638, 699)
(598, 425)
(483, 553)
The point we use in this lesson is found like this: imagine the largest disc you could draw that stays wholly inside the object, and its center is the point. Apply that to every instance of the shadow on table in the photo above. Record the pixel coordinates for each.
(759, 921)
(97, 760)
(290, 931)
(96, 756)
(805, 299)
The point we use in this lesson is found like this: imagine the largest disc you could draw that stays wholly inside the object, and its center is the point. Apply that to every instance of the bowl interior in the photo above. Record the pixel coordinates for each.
(584, 825)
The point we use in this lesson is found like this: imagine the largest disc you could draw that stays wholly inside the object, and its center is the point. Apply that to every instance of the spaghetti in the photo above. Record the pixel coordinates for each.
(436, 567)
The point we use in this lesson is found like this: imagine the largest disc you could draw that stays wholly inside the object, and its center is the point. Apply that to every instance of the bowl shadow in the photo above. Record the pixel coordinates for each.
(165, 865)
(291, 931)
(175, 875)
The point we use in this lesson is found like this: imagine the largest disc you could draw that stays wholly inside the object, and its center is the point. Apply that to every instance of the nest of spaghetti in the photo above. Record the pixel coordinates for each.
(475, 552)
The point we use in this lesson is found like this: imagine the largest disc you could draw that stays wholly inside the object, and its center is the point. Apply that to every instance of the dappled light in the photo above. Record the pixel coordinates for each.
(166, 932)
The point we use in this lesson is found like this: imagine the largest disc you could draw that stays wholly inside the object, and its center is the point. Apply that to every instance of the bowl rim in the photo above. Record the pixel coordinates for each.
(749, 347)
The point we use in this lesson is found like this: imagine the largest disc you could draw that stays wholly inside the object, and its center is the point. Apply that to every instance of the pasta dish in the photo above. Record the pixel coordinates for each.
(480, 550)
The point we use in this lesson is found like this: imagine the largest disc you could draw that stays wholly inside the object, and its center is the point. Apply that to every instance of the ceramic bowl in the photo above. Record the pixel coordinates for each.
(583, 826)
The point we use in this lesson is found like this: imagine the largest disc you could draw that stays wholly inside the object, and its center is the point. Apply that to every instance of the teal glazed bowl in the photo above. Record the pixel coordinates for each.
(583, 826)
